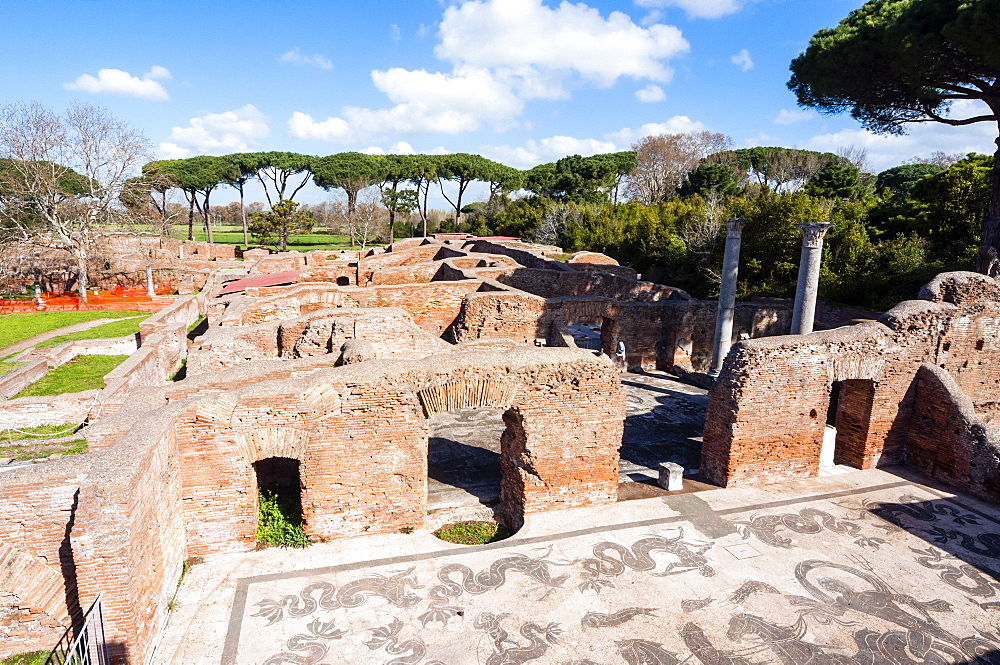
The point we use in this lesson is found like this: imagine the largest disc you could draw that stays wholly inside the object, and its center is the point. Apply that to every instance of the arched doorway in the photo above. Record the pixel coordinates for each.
(463, 464)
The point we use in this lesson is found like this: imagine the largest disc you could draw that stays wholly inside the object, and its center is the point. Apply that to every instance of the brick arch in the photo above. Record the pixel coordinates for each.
(472, 393)
(266, 442)
(33, 582)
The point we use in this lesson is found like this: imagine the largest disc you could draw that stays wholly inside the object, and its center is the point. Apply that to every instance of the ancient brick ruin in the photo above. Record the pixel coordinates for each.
(335, 362)
(919, 386)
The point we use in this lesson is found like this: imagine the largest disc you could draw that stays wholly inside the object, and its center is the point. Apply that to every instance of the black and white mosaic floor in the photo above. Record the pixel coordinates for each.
(865, 568)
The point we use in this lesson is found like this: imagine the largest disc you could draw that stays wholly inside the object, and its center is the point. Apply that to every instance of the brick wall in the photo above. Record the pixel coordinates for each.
(108, 521)
(360, 433)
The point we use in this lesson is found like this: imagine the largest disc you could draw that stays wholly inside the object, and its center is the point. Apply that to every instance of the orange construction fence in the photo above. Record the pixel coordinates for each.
(120, 298)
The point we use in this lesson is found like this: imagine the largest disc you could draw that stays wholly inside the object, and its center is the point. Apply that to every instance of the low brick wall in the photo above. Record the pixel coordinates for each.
(18, 379)
(27, 412)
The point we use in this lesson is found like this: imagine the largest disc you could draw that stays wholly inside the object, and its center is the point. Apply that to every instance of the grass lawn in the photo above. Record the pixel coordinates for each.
(113, 329)
(62, 430)
(8, 366)
(17, 327)
(81, 373)
(300, 243)
(41, 450)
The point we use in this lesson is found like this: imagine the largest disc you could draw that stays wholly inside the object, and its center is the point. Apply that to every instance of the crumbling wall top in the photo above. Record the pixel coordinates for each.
(961, 287)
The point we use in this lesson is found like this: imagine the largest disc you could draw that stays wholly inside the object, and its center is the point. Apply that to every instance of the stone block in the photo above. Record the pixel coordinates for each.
(671, 476)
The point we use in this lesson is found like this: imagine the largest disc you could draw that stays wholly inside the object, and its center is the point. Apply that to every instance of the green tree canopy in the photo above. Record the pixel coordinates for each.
(462, 169)
(707, 179)
(349, 171)
(197, 177)
(575, 178)
(779, 169)
(901, 179)
(837, 181)
(279, 171)
(895, 62)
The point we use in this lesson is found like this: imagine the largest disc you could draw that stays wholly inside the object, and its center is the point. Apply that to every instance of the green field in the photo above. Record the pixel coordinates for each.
(113, 329)
(81, 373)
(18, 327)
(61, 430)
(300, 243)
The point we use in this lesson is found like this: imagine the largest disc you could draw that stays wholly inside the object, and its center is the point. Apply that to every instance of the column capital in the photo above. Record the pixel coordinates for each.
(735, 226)
(813, 232)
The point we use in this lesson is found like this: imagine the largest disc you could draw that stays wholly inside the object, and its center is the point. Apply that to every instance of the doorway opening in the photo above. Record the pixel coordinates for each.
(463, 465)
(586, 334)
(848, 421)
(279, 502)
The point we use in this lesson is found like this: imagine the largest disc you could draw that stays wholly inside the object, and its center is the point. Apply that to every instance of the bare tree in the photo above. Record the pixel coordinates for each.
(856, 155)
(701, 233)
(663, 161)
(368, 219)
(63, 177)
(938, 158)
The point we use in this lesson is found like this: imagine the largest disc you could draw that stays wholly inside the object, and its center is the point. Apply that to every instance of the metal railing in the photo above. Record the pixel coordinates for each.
(85, 646)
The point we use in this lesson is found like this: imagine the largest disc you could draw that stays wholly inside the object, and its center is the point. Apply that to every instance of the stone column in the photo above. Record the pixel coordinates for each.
(150, 288)
(805, 293)
(727, 296)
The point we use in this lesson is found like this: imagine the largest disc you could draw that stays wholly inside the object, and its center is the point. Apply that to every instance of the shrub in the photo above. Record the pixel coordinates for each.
(279, 522)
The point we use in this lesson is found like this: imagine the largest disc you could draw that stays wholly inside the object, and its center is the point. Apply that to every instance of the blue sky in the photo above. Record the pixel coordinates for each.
(519, 81)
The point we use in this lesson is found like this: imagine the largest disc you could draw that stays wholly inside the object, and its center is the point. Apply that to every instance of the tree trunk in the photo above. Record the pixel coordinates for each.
(458, 204)
(243, 214)
(392, 214)
(207, 212)
(81, 275)
(988, 261)
(191, 218)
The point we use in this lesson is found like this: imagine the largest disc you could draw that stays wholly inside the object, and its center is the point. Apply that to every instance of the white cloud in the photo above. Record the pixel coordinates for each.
(158, 72)
(679, 124)
(885, 150)
(790, 117)
(394, 33)
(426, 103)
(317, 60)
(550, 149)
(335, 130)
(743, 60)
(504, 53)
(118, 82)
(520, 38)
(698, 8)
(554, 148)
(404, 148)
(651, 93)
(218, 133)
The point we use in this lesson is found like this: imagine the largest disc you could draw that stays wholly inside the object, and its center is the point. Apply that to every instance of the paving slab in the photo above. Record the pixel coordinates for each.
(868, 567)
